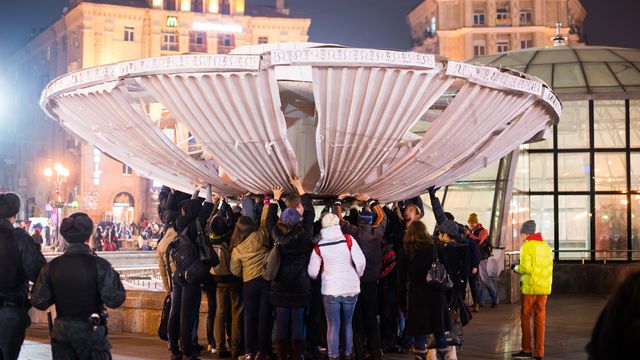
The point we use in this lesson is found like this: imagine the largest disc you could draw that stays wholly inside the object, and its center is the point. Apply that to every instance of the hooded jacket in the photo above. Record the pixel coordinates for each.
(291, 287)
(340, 267)
(536, 266)
(247, 257)
(370, 238)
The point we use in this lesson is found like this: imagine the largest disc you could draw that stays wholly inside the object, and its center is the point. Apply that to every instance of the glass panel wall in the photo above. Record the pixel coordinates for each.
(611, 226)
(609, 124)
(574, 227)
(592, 210)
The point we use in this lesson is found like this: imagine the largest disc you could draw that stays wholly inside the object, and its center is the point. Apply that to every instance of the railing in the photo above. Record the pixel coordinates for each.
(585, 255)
(503, 22)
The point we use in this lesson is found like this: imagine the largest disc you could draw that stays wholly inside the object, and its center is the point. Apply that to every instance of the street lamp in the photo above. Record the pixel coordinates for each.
(61, 175)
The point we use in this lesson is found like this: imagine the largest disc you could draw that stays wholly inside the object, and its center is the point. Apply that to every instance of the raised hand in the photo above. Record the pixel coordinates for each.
(277, 192)
(343, 196)
(297, 183)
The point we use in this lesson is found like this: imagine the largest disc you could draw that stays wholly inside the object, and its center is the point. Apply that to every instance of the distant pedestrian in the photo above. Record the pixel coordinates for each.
(536, 269)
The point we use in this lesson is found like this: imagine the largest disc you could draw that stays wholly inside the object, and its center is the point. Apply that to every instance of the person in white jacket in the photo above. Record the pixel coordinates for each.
(340, 261)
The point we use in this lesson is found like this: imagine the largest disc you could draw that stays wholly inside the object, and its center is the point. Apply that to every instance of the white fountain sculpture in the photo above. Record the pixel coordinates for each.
(352, 120)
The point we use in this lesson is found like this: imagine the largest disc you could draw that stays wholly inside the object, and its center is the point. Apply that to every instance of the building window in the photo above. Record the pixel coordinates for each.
(503, 46)
(197, 41)
(128, 33)
(478, 17)
(197, 6)
(502, 14)
(479, 48)
(170, 41)
(126, 170)
(263, 40)
(526, 17)
(225, 7)
(170, 5)
(526, 44)
(226, 43)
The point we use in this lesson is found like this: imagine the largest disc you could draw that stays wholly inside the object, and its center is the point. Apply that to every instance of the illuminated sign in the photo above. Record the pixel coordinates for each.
(172, 21)
(226, 28)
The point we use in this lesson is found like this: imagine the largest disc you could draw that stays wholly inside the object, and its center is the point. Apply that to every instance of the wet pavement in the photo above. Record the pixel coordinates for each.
(492, 334)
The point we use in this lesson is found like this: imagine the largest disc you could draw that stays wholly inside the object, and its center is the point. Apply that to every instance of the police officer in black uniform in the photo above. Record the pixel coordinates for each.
(20, 262)
(80, 284)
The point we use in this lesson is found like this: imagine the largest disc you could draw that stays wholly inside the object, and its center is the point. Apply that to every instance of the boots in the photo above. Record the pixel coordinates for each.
(297, 349)
(419, 354)
(281, 349)
(476, 307)
(442, 354)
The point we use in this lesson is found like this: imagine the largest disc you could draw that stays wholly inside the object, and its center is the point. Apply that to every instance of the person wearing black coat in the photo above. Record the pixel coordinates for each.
(186, 296)
(291, 289)
(369, 235)
(426, 307)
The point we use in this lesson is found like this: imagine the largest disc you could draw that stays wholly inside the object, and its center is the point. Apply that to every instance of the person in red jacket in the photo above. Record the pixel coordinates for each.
(478, 233)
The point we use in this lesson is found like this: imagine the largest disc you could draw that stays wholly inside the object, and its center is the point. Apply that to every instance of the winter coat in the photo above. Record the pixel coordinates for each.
(455, 255)
(481, 236)
(222, 272)
(427, 307)
(369, 237)
(536, 266)
(163, 246)
(291, 287)
(339, 267)
(247, 257)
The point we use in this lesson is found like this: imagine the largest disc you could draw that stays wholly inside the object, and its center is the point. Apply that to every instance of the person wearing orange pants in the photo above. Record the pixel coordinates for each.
(536, 270)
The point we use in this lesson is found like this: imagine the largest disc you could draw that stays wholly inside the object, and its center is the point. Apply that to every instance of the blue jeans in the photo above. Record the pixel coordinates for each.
(420, 342)
(289, 323)
(333, 307)
(486, 281)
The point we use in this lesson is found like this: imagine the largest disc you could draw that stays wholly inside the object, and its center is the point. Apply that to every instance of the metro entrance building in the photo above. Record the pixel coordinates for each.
(582, 184)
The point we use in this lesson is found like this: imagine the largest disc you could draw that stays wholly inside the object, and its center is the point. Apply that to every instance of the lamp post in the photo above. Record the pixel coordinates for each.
(58, 175)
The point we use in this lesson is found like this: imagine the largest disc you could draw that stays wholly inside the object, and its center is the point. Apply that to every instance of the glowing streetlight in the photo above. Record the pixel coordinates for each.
(61, 175)
(48, 172)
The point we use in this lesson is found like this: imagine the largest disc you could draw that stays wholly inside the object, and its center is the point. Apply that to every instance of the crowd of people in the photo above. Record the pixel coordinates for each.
(371, 275)
(357, 270)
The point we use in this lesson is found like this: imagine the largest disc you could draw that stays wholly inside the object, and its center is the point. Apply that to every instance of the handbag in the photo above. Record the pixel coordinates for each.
(205, 250)
(437, 276)
(164, 319)
(271, 263)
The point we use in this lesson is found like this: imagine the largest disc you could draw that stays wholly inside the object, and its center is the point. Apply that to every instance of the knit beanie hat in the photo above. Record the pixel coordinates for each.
(365, 217)
(473, 219)
(9, 205)
(290, 217)
(330, 220)
(77, 228)
(528, 227)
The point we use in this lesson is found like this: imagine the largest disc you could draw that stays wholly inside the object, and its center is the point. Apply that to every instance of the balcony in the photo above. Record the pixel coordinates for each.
(198, 48)
(503, 22)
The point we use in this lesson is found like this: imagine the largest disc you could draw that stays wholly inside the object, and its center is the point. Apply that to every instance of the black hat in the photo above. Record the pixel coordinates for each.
(9, 205)
(77, 228)
(170, 217)
(191, 209)
(448, 227)
(219, 226)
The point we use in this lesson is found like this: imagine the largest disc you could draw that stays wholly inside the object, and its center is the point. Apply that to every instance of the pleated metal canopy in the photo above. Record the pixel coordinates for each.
(387, 123)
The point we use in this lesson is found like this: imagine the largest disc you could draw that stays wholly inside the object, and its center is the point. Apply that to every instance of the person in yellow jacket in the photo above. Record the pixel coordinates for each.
(536, 269)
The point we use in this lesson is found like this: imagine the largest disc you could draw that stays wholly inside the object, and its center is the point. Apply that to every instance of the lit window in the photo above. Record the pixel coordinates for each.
(503, 46)
(263, 40)
(170, 41)
(526, 17)
(128, 33)
(478, 17)
(126, 170)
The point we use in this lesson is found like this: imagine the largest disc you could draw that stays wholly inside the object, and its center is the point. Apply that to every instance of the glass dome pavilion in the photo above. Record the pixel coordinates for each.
(582, 184)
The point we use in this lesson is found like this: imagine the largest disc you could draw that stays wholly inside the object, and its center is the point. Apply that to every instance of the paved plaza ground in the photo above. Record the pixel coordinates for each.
(492, 334)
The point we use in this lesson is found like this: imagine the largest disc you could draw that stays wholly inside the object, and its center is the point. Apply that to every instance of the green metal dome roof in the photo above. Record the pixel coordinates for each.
(577, 70)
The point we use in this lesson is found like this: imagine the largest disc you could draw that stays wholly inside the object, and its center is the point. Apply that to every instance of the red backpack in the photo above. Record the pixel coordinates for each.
(349, 240)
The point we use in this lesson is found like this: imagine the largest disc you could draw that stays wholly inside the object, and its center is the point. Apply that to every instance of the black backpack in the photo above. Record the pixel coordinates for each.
(205, 250)
(186, 256)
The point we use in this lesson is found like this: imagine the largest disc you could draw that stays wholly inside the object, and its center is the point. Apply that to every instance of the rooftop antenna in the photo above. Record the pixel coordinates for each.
(558, 40)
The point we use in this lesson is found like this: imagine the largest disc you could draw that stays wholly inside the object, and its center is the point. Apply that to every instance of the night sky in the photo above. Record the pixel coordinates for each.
(361, 23)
